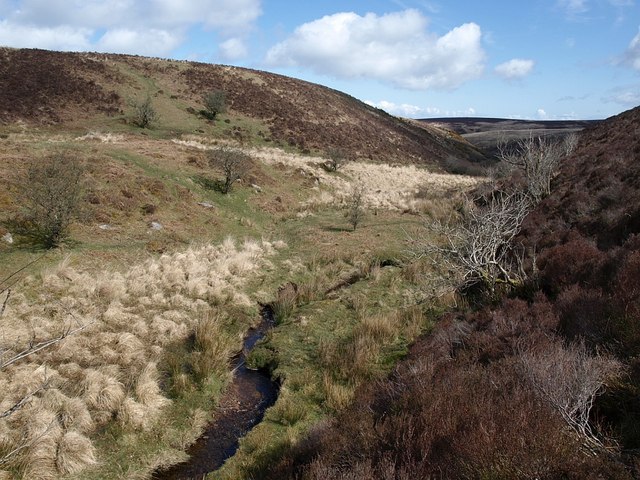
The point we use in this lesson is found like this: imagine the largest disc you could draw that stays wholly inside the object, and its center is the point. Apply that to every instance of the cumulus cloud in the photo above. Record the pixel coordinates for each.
(542, 114)
(632, 55)
(56, 38)
(233, 49)
(141, 42)
(148, 27)
(413, 111)
(403, 109)
(515, 69)
(395, 48)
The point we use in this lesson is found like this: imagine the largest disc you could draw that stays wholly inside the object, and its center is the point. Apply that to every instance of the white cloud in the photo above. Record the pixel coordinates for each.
(413, 111)
(395, 48)
(403, 110)
(141, 42)
(632, 55)
(56, 38)
(515, 68)
(149, 27)
(542, 114)
(233, 49)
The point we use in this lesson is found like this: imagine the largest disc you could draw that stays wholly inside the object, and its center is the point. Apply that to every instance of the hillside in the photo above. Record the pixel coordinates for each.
(485, 133)
(78, 90)
(502, 391)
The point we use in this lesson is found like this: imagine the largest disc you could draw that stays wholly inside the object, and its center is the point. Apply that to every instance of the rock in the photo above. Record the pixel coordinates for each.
(8, 238)
(156, 226)
(256, 187)
(205, 204)
(105, 226)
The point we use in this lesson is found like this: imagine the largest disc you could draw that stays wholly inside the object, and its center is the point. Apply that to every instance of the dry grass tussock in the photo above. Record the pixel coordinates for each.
(385, 186)
(108, 371)
(103, 137)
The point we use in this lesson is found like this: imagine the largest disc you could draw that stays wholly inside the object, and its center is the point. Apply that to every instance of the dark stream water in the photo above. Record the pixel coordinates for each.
(242, 407)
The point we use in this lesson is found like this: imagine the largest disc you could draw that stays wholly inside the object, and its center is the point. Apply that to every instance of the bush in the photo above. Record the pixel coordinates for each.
(337, 159)
(355, 209)
(214, 103)
(144, 113)
(233, 163)
(51, 193)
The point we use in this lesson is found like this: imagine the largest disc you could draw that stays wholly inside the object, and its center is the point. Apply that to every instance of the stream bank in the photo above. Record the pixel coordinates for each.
(241, 407)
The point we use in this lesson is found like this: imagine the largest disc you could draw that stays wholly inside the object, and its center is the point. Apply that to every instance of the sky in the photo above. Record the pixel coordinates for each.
(529, 59)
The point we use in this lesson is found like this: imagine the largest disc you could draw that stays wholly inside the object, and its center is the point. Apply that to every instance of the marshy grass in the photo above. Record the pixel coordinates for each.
(108, 373)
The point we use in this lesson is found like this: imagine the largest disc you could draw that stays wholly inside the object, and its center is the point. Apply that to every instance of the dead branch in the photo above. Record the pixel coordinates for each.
(538, 158)
(480, 245)
(569, 378)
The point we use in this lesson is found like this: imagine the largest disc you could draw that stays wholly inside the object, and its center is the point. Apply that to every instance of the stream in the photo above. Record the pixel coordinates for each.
(241, 407)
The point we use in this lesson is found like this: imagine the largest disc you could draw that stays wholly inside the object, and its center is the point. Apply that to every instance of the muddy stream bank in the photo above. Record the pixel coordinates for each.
(241, 407)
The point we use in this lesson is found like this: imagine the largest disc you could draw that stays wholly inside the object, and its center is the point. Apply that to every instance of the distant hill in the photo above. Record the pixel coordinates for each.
(91, 90)
(485, 133)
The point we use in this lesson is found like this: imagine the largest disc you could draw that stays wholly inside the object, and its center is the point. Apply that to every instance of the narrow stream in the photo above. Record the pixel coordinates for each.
(241, 408)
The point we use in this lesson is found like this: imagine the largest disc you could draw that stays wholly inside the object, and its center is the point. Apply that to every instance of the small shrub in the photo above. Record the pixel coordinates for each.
(233, 163)
(337, 159)
(355, 208)
(51, 191)
(214, 104)
(144, 114)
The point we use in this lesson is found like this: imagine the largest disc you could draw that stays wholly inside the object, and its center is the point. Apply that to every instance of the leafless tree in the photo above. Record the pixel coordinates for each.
(355, 207)
(570, 379)
(538, 158)
(480, 244)
(233, 163)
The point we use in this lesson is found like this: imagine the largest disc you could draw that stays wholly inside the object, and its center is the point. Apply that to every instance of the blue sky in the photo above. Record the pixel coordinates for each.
(536, 59)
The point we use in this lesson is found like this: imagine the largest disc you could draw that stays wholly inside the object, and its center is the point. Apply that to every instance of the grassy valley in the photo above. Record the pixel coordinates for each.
(394, 358)
(148, 298)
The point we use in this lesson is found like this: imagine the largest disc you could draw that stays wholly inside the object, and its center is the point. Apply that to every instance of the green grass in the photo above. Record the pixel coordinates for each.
(317, 353)
(325, 344)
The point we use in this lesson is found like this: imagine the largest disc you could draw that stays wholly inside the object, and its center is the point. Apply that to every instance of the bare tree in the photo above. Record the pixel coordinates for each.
(214, 103)
(480, 244)
(355, 207)
(51, 194)
(538, 158)
(144, 113)
(570, 379)
(233, 163)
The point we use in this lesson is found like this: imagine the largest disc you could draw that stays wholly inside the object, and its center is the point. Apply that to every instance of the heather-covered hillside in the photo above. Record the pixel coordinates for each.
(79, 90)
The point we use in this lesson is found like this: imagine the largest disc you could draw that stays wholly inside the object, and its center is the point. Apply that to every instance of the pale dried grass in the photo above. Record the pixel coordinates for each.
(392, 187)
(109, 370)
